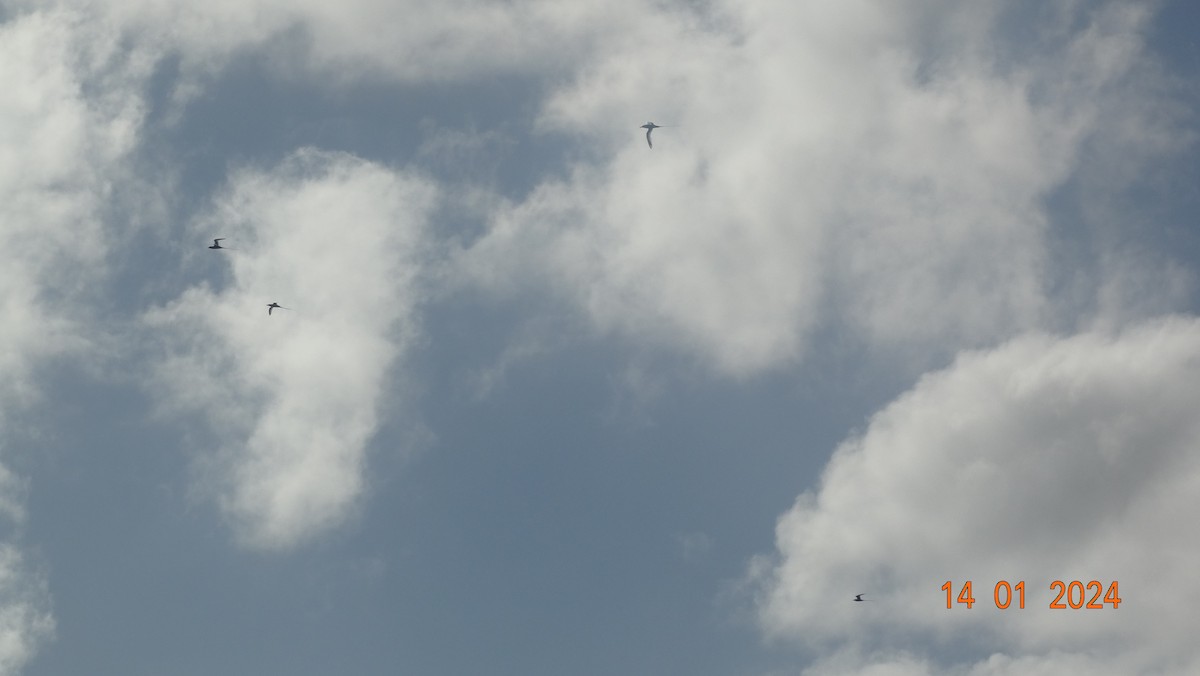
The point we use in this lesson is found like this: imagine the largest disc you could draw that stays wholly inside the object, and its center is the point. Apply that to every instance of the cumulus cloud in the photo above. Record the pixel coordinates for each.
(880, 168)
(293, 399)
(845, 165)
(876, 168)
(1044, 459)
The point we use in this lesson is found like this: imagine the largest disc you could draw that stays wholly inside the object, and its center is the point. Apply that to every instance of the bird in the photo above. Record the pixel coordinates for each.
(649, 127)
(859, 597)
(217, 243)
(272, 306)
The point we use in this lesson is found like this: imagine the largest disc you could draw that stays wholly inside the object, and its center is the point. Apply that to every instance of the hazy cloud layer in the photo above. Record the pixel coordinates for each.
(293, 398)
(1045, 459)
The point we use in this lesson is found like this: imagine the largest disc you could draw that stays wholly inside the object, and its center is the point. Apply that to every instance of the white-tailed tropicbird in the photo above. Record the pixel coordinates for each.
(649, 127)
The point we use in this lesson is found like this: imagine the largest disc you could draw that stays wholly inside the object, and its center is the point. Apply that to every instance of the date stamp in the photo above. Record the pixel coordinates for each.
(1071, 595)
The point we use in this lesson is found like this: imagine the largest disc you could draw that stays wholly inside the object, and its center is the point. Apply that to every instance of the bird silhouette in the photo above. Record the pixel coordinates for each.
(272, 306)
(649, 127)
(859, 597)
(217, 243)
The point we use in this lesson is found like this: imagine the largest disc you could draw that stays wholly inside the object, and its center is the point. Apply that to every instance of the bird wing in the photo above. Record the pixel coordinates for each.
(648, 142)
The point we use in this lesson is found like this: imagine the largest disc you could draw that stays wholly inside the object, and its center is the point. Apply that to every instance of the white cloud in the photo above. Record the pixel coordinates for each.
(1045, 459)
(871, 165)
(408, 41)
(1054, 663)
(60, 156)
(879, 167)
(69, 111)
(847, 166)
(293, 398)
(876, 167)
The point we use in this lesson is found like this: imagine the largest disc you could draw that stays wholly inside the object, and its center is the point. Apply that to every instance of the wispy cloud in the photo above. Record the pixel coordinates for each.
(25, 618)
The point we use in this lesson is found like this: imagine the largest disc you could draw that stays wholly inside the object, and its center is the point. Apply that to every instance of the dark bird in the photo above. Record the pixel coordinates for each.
(272, 306)
(217, 243)
(859, 597)
(649, 127)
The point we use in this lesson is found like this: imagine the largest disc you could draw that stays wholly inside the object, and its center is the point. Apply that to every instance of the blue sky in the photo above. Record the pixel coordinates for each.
(903, 293)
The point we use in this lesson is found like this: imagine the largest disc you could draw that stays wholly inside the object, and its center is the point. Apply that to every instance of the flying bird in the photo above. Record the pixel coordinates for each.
(272, 306)
(217, 243)
(859, 597)
(649, 127)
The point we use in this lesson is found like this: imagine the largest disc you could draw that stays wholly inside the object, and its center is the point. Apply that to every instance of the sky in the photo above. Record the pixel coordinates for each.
(904, 294)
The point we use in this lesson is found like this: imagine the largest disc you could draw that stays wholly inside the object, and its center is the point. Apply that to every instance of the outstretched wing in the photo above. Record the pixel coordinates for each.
(648, 142)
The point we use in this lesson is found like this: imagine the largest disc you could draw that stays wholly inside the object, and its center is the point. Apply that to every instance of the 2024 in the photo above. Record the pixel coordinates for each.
(1073, 591)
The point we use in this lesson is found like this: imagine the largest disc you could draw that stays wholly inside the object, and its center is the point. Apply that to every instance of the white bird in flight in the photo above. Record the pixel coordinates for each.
(272, 306)
(649, 127)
